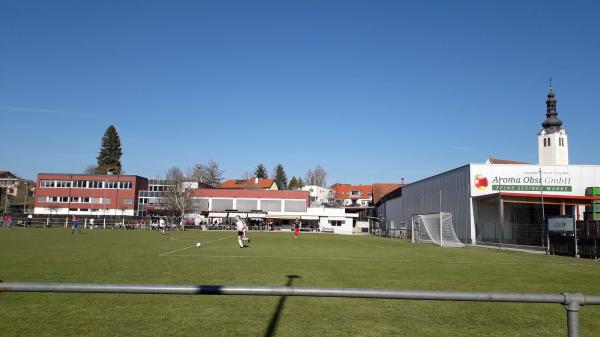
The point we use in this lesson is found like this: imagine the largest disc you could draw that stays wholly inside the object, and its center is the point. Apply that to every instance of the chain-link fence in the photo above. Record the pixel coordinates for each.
(387, 228)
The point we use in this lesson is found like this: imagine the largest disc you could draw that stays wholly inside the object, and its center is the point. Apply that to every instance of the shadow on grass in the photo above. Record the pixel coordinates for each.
(277, 314)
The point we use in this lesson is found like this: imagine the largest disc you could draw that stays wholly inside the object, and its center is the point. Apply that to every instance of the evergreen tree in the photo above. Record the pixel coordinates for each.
(280, 177)
(109, 158)
(300, 182)
(293, 184)
(261, 172)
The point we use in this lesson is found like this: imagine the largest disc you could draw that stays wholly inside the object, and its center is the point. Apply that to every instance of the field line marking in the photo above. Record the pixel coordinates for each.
(362, 259)
(175, 251)
(363, 243)
(289, 257)
(188, 247)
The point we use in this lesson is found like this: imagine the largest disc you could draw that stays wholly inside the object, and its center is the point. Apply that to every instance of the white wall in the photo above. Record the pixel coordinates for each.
(322, 194)
(101, 212)
(555, 153)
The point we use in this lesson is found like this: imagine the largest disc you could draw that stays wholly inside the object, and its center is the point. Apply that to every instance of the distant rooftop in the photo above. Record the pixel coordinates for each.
(248, 184)
(498, 161)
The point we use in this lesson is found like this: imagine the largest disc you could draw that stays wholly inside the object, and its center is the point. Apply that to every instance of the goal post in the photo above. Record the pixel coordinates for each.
(435, 228)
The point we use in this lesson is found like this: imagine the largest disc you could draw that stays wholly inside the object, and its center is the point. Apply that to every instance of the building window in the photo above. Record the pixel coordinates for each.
(127, 201)
(549, 143)
(41, 199)
(48, 183)
(336, 223)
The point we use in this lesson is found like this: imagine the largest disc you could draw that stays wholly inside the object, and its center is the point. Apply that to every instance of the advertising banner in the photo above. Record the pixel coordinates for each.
(560, 224)
(533, 179)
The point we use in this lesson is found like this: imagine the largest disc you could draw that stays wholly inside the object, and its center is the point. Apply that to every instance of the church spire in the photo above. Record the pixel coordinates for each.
(552, 123)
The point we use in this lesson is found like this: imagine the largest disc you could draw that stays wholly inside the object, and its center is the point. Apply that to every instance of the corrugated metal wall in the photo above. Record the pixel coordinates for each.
(423, 196)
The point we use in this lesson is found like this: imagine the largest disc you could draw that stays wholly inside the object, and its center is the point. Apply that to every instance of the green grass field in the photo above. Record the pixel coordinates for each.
(323, 260)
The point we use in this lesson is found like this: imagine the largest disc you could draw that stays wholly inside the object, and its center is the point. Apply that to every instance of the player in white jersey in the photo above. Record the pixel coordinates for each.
(241, 228)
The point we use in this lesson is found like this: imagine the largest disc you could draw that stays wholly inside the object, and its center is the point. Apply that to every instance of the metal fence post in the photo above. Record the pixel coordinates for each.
(572, 304)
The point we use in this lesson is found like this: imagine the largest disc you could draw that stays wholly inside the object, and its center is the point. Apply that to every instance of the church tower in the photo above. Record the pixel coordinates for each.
(553, 146)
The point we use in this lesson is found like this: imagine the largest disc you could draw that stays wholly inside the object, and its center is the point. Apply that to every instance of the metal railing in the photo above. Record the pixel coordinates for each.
(572, 302)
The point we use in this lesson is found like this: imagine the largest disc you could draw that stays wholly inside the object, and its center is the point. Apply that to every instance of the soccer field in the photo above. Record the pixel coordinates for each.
(320, 260)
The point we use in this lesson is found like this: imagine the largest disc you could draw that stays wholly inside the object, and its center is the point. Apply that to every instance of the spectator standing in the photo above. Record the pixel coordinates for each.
(75, 225)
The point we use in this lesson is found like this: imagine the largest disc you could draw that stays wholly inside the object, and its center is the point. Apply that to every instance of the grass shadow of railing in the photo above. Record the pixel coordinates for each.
(277, 314)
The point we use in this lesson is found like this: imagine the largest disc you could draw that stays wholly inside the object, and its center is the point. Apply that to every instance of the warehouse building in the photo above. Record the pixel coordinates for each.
(503, 201)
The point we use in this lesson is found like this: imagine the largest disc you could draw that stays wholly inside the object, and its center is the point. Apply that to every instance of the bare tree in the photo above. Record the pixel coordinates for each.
(209, 173)
(247, 175)
(316, 177)
(179, 191)
(90, 169)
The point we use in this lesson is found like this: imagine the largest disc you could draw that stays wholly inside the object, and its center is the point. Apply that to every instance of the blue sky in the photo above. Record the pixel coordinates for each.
(373, 91)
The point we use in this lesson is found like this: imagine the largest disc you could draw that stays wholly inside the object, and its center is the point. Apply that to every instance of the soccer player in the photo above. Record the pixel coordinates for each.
(162, 225)
(297, 225)
(241, 227)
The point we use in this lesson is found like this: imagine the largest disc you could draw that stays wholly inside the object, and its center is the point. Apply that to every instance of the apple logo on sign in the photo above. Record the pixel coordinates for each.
(480, 182)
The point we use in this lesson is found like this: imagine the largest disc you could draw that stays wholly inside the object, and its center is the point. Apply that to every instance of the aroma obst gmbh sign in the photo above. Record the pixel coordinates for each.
(565, 180)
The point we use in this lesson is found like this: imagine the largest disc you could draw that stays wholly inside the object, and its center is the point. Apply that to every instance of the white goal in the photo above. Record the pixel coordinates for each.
(435, 228)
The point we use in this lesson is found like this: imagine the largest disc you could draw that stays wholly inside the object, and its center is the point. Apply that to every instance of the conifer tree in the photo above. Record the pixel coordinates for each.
(293, 184)
(300, 182)
(261, 172)
(109, 158)
(280, 177)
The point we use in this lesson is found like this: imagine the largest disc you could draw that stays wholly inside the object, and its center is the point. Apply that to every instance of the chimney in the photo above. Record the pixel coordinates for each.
(256, 180)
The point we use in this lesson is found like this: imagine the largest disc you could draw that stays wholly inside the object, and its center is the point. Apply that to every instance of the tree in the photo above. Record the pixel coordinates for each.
(280, 177)
(293, 185)
(247, 175)
(261, 172)
(90, 169)
(316, 177)
(109, 158)
(300, 182)
(179, 192)
(208, 173)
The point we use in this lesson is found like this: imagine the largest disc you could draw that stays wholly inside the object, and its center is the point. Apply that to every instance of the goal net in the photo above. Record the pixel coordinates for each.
(435, 228)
